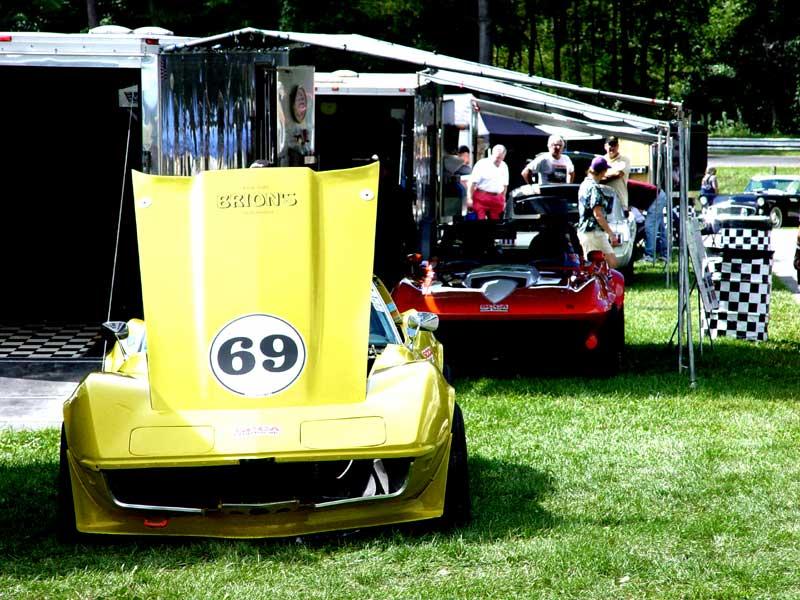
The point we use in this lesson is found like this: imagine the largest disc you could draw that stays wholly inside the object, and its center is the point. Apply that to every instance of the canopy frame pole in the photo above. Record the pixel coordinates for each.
(684, 316)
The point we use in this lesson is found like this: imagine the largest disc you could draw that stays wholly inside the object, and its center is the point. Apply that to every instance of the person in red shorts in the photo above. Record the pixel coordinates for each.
(488, 183)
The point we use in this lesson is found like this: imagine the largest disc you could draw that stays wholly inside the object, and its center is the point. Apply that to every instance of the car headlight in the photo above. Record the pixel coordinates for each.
(760, 201)
(703, 200)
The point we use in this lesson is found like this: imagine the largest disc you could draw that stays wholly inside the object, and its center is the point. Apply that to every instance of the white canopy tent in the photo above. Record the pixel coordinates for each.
(537, 106)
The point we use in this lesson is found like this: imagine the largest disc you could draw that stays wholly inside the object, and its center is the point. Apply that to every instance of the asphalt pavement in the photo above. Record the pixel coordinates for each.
(32, 393)
(744, 160)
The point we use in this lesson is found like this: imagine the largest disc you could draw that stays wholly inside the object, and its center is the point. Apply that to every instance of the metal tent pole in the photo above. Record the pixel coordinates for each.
(685, 318)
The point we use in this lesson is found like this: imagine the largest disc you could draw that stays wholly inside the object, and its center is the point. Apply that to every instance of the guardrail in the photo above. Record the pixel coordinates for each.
(752, 144)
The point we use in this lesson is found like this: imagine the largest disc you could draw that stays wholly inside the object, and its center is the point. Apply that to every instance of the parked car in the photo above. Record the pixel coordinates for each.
(783, 189)
(797, 257)
(270, 390)
(527, 203)
(757, 204)
(512, 289)
(776, 196)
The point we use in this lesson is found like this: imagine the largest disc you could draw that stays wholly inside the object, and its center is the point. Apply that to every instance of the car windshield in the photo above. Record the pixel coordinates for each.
(469, 243)
(382, 330)
(783, 185)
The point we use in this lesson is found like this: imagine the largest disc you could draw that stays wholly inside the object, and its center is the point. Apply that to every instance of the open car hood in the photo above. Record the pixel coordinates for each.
(256, 285)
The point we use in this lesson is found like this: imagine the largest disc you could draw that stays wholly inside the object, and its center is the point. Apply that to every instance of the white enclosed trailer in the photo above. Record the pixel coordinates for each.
(78, 112)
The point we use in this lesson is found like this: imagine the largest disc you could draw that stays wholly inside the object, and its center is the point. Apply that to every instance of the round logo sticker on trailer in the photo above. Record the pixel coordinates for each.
(257, 355)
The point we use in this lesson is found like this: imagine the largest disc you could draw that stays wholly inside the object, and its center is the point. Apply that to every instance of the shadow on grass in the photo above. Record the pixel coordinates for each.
(767, 371)
(30, 549)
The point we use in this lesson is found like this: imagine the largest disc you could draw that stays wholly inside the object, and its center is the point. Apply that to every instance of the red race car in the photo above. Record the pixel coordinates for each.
(515, 289)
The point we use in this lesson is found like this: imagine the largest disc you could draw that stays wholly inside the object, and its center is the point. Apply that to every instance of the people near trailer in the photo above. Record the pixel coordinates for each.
(709, 186)
(488, 183)
(645, 198)
(466, 157)
(552, 166)
(594, 232)
(395, 229)
(457, 167)
(619, 168)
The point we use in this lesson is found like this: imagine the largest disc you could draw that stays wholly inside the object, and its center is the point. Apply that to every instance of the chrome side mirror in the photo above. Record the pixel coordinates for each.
(427, 321)
(118, 330)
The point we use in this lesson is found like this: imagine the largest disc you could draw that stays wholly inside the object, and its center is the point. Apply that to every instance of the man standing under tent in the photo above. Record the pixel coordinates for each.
(486, 194)
(619, 170)
(552, 166)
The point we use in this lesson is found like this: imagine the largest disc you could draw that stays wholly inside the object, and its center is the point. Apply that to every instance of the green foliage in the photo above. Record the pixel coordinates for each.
(718, 56)
(732, 180)
(726, 127)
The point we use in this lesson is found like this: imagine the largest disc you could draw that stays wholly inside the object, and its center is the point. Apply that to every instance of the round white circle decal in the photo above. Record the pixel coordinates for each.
(257, 355)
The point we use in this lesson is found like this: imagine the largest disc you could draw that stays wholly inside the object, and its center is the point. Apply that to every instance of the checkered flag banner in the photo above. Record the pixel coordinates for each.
(748, 297)
(739, 238)
(742, 269)
(742, 279)
(743, 326)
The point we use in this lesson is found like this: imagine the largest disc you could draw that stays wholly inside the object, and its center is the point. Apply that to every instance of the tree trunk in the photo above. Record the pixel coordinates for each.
(532, 44)
(667, 63)
(576, 39)
(91, 13)
(484, 40)
(626, 54)
(613, 29)
(558, 39)
(644, 63)
(593, 40)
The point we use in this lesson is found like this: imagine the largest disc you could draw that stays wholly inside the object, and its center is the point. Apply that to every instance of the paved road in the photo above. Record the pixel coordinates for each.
(31, 395)
(737, 160)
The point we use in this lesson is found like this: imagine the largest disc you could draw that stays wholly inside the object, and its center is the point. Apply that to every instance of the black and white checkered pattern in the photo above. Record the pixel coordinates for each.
(742, 269)
(45, 341)
(751, 297)
(742, 278)
(744, 326)
(738, 238)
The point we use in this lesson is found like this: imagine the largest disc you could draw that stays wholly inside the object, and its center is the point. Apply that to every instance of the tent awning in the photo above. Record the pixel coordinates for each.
(497, 125)
(456, 71)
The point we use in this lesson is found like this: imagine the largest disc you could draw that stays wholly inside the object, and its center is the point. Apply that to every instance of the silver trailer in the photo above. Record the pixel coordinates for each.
(78, 112)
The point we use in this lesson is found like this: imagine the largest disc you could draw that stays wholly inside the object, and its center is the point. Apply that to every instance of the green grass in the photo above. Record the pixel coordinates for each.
(733, 179)
(634, 486)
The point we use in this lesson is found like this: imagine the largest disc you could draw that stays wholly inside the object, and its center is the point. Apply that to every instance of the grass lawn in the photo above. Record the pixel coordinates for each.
(634, 486)
(733, 179)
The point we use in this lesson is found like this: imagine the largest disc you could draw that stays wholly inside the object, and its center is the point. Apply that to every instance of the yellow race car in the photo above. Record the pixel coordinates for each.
(272, 389)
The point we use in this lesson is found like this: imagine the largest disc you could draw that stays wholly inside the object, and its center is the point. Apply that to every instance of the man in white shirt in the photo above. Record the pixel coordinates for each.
(486, 194)
(552, 166)
(619, 169)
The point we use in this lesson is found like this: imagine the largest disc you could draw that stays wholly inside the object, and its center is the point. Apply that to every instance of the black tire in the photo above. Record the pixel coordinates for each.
(776, 216)
(612, 344)
(627, 271)
(457, 499)
(66, 531)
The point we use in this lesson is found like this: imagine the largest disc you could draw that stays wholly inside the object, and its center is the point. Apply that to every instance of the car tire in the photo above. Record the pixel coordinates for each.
(776, 217)
(627, 271)
(612, 345)
(457, 499)
(448, 371)
(66, 531)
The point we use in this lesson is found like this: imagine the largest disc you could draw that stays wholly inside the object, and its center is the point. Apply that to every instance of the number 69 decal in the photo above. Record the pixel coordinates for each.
(257, 355)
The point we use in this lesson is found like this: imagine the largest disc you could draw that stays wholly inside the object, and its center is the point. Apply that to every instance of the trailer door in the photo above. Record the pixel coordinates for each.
(427, 156)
